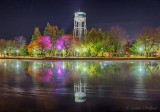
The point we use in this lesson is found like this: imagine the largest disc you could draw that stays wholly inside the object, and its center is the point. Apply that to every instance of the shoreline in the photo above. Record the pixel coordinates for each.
(71, 58)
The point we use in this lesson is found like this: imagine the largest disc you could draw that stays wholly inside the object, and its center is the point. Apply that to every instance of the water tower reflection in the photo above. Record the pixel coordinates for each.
(80, 91)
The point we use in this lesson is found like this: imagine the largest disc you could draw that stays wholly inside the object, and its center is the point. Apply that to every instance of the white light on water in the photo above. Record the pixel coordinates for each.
(5, 64)
(17, 65)
(52, 65)
(140, 69)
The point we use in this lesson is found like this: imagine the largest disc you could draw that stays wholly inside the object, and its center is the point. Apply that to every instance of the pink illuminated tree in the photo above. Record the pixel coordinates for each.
(63, 42)
(44, 43)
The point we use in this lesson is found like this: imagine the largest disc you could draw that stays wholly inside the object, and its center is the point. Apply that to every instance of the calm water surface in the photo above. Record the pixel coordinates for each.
(79, 86)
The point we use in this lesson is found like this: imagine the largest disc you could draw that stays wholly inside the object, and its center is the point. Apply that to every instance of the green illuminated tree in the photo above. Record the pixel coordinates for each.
(36, 34)
(2, 46)
(136, 47)
(11, 47)
(148, 40)
(23, 51)
(95, 41)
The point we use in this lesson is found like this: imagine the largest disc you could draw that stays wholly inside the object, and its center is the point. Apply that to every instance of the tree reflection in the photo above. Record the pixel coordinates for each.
(39, 72)
(144, 68)
(146, 75)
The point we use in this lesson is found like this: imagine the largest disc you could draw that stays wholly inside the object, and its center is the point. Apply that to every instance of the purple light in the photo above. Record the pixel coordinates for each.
(48, 73)
(59, 64)
(45, 75)
(59, 47)
(45, 42)
(62, 42)
(59, 71)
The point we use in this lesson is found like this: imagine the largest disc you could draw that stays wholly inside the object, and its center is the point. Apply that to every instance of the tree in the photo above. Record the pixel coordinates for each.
(2, 46)
(11, 47)
(157, 40)
(74, 43)
(23, 51)
(137, 47)
(34, 48)
(53, 32)
(95, 41)
(20, 42)
(148, 40)
(94, 35)
(40, 45)
(117, 39)
(36, 34)
(44, 43)
(63, 43)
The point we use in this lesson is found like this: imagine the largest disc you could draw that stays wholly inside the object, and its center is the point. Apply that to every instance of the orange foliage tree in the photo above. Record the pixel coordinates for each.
(34, 48)
(40, 45)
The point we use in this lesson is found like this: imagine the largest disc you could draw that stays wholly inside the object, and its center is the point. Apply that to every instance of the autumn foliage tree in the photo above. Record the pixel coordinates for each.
(53, 32)
(33, 48)
(64, 43)
(44, 43)
(74, 43)
(40, 45)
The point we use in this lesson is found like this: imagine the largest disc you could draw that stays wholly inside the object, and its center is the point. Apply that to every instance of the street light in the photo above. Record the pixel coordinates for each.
(77, 51)
(34, 53)
(84, 50)
(140, 49)
(17, 51)
(5, 53)
(43, 53)
(63, 52)
(102, 52)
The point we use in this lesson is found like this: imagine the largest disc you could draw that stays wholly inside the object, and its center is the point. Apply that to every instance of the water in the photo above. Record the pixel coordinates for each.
(79, 86)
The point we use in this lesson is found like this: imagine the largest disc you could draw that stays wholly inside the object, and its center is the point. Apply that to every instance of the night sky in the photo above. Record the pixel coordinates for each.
(20, 17)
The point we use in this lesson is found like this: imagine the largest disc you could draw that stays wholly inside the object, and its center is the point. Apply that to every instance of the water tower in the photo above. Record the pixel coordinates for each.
(79, 25)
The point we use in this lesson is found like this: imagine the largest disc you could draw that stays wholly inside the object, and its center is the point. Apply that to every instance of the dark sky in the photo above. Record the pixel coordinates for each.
(20, 17)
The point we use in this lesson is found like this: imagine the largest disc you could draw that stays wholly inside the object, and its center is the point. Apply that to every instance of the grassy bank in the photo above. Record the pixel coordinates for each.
(80, 58)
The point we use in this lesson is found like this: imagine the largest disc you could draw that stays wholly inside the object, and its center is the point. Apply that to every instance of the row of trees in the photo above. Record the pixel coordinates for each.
(13, 47)
(53, 42)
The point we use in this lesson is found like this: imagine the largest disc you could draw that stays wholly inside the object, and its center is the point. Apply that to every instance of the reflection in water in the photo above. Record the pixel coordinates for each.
(80, 91)
(140, 90)
(115, 80)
